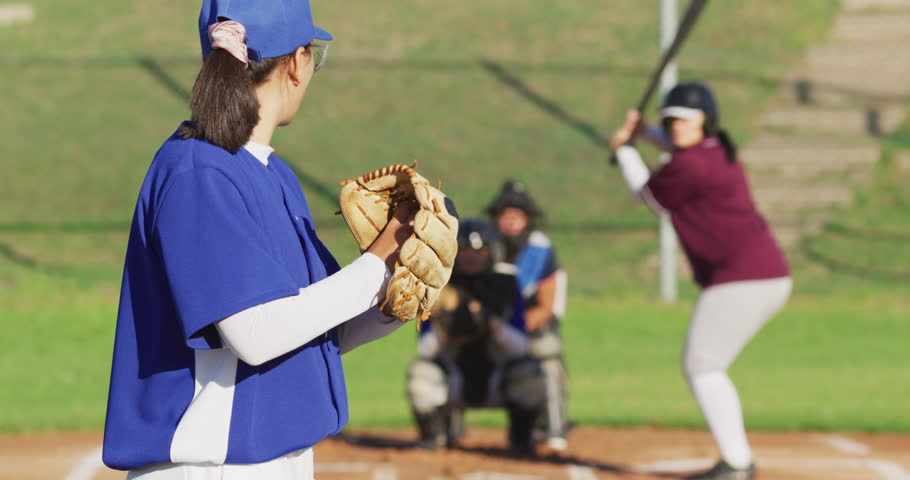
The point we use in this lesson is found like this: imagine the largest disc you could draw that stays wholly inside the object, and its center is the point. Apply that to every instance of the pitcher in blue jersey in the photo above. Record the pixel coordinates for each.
(233, 315)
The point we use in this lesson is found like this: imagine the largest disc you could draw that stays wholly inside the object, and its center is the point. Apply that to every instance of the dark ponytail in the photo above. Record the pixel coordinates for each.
(712, 129)
(224, 107)
(727, 143)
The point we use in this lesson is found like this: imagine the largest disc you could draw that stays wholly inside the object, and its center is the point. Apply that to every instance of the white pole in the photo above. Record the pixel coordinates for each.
(669, 78)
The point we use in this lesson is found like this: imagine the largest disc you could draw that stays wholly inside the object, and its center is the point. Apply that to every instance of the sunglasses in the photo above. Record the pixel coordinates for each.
(320, 53)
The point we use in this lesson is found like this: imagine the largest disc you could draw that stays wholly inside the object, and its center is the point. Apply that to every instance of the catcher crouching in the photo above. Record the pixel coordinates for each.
(474, 352)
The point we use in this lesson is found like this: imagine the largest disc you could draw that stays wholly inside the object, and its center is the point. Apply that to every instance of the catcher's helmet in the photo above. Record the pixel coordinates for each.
(684, 99)
(475, 234)
(513, 194)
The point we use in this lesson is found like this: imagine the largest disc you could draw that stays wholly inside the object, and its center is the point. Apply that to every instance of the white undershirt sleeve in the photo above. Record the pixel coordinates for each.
(636, 174)
(267, 331)
(633, 168)
(366, 327)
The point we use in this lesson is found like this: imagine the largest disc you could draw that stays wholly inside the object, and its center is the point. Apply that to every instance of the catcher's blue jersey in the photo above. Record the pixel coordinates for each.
(213, 234)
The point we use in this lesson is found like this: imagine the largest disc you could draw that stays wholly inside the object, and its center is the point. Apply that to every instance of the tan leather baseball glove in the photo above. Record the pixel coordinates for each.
(425, 265)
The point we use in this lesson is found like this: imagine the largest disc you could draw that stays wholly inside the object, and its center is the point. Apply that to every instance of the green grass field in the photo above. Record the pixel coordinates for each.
(477, 91)
(822, 364)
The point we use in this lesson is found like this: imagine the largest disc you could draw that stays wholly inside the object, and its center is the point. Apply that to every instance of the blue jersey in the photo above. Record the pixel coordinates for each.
(213, 234)
(535, 262)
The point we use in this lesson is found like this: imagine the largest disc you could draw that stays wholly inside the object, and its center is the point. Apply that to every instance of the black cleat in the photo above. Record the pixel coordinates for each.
(430, 443)
(522, 450)
(723, 471)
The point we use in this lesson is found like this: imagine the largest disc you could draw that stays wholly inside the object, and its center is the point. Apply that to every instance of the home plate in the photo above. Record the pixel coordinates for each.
(674, 466)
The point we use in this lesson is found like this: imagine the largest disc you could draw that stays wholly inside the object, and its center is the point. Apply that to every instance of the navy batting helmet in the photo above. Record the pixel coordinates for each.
(685, 99)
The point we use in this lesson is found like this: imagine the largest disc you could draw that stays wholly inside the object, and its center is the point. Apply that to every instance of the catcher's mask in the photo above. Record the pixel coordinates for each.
(477, 241)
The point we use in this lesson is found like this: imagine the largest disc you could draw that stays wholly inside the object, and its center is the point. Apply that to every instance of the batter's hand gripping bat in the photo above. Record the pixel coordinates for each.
(682, 31)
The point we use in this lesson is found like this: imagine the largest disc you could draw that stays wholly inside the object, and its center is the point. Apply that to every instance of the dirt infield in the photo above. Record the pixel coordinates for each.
(594, 453)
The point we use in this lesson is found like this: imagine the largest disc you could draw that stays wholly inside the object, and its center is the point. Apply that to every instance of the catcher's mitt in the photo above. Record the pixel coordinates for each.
(458, 318)
(426, 259)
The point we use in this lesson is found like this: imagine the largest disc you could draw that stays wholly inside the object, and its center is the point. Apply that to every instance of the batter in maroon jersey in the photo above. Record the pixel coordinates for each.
(735, 260)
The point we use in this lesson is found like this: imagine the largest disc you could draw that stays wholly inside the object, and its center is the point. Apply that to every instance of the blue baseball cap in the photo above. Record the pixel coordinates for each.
(273, 27)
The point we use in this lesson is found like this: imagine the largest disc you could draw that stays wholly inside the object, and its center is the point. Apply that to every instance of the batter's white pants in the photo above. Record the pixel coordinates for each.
(293, 466)
(726, 317)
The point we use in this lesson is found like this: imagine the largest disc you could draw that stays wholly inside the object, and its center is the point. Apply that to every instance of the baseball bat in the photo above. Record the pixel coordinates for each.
(682, 31)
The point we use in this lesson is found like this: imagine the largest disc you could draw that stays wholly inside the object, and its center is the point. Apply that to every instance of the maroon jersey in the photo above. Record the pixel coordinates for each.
(721, 231)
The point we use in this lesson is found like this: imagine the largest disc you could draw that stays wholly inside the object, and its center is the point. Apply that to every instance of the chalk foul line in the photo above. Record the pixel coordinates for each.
(845, 445)
(87, 466)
